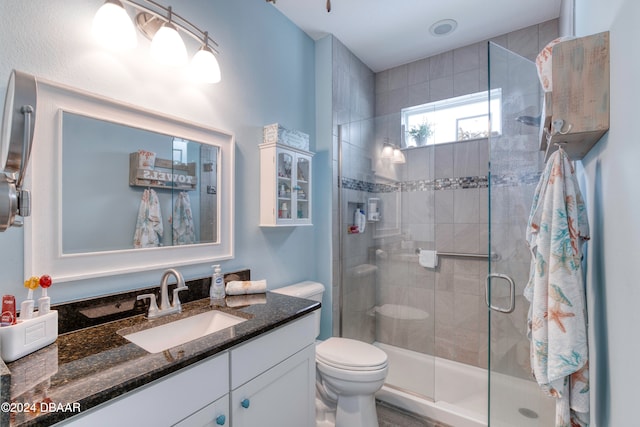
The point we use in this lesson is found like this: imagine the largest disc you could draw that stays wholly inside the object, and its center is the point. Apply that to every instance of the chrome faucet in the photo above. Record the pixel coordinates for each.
(165, 307)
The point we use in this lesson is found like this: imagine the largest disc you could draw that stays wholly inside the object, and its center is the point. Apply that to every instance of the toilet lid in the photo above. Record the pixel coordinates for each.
(350, 354)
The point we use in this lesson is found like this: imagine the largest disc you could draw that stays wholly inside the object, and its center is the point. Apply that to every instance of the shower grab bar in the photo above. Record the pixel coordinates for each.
(465, 255)
(492, 256)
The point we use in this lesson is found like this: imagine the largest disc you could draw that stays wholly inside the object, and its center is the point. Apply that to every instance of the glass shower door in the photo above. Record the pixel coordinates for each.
(515, 165)
(386, 297)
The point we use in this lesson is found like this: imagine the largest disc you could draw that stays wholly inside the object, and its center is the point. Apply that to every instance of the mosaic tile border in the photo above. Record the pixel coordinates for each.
(464, 182)
(511, 180)
(418, 185)
(369, 187)
(446, 183)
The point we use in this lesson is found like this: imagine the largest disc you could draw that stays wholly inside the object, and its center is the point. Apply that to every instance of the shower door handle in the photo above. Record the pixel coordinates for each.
(512, 293)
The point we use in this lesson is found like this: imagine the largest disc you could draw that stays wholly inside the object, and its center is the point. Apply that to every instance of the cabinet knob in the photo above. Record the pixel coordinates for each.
(221, 420)
(245, 403)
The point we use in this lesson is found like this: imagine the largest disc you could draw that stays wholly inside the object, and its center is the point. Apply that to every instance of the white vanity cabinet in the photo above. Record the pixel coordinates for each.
(181, 398)
(285, 185)
(273, 378)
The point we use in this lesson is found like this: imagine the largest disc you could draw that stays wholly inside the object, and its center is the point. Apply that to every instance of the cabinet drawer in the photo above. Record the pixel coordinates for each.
(164, 401)
(212, 415)
(256, 356)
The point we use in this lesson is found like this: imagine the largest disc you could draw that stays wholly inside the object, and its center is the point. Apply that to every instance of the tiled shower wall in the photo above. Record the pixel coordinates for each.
(444, 207)
(450, 218)
(453, 73)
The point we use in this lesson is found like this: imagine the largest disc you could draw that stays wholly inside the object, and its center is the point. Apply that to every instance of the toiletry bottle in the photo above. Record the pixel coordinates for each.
(284, 210)
(44, 302)
(217, 292)
(359, 220)
(8, 316)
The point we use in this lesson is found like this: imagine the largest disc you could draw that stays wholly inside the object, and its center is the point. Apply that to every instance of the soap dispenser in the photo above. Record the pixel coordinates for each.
(216, 291)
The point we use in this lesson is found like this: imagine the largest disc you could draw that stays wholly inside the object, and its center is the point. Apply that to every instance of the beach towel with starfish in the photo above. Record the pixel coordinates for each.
(556, 230)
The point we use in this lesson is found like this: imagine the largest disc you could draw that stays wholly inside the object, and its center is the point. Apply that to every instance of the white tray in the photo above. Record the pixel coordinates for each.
(27, 336)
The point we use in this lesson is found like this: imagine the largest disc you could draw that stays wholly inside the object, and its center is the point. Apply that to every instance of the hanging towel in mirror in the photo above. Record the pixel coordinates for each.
(182, 221)
(149, 227)
(557, 320)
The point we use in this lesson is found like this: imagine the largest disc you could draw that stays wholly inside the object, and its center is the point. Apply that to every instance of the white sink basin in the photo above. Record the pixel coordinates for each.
(169, 335)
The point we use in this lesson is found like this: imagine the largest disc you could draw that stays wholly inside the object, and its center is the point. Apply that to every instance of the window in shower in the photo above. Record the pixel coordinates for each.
(455, 119)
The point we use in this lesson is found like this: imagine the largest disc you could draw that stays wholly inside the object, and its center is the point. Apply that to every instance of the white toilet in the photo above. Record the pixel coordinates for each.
(349, 372)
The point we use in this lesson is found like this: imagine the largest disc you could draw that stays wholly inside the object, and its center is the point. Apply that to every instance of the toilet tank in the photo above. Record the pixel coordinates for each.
(307, 289)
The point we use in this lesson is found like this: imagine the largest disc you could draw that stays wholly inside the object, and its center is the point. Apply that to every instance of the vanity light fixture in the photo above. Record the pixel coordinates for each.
(113, 27)
(204, 66)
(398, 156)
(167, 46)
(393, 153)
(387, 151)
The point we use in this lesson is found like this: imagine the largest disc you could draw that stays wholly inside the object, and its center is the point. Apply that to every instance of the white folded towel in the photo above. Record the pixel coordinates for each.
(237, 287)
(428, 259)
(244, 300)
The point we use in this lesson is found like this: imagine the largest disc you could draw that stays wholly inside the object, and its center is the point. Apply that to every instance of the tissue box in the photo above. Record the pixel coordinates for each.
(27, 336)
(293, 138)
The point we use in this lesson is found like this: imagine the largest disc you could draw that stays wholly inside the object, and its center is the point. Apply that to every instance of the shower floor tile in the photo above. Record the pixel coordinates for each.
(391, 416)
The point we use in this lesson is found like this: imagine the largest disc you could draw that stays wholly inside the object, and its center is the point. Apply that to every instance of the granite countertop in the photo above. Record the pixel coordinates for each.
(90, 366)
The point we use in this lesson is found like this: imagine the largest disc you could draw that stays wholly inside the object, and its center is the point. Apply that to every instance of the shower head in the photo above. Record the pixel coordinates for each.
(529, 120)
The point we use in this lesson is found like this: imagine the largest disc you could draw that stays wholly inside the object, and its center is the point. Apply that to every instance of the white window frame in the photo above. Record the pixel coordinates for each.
(448, 113)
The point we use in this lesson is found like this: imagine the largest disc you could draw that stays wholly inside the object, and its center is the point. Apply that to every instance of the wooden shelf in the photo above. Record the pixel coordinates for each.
(165, 174)
(580, 97)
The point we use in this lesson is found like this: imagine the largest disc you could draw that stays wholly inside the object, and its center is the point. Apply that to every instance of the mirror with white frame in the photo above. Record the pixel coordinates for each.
(111, 183)
(163, 193)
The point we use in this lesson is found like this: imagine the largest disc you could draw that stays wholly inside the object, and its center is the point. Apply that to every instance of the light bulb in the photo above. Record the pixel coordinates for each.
(387, 151)
(113, 28)
(167, 46)
(398, 156)
(204, 66)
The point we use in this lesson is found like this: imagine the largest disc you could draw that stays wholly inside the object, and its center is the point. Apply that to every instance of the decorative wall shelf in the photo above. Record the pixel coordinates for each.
(165, 174)
(576, 112)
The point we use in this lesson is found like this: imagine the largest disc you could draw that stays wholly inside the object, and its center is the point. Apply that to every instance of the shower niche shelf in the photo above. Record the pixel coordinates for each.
(576, 112)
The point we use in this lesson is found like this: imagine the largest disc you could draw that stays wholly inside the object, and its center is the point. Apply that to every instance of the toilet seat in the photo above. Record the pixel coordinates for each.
(350, 355)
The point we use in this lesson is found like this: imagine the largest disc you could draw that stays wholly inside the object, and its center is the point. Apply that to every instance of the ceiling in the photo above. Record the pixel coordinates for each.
(388, 33)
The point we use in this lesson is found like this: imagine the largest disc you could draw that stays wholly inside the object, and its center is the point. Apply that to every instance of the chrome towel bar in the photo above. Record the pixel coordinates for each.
(492, 256)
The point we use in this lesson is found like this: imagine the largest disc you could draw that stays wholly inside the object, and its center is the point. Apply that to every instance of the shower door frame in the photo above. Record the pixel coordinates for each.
(515, 163)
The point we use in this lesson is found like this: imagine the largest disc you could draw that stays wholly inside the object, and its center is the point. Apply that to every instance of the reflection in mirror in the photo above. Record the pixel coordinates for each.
(125, 187)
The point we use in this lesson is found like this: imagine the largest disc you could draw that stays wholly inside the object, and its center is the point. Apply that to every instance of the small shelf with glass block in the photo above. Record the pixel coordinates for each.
(285, 185)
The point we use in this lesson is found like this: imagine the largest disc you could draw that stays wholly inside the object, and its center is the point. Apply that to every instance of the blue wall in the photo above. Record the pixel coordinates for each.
(268, 75)
(610, 174)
